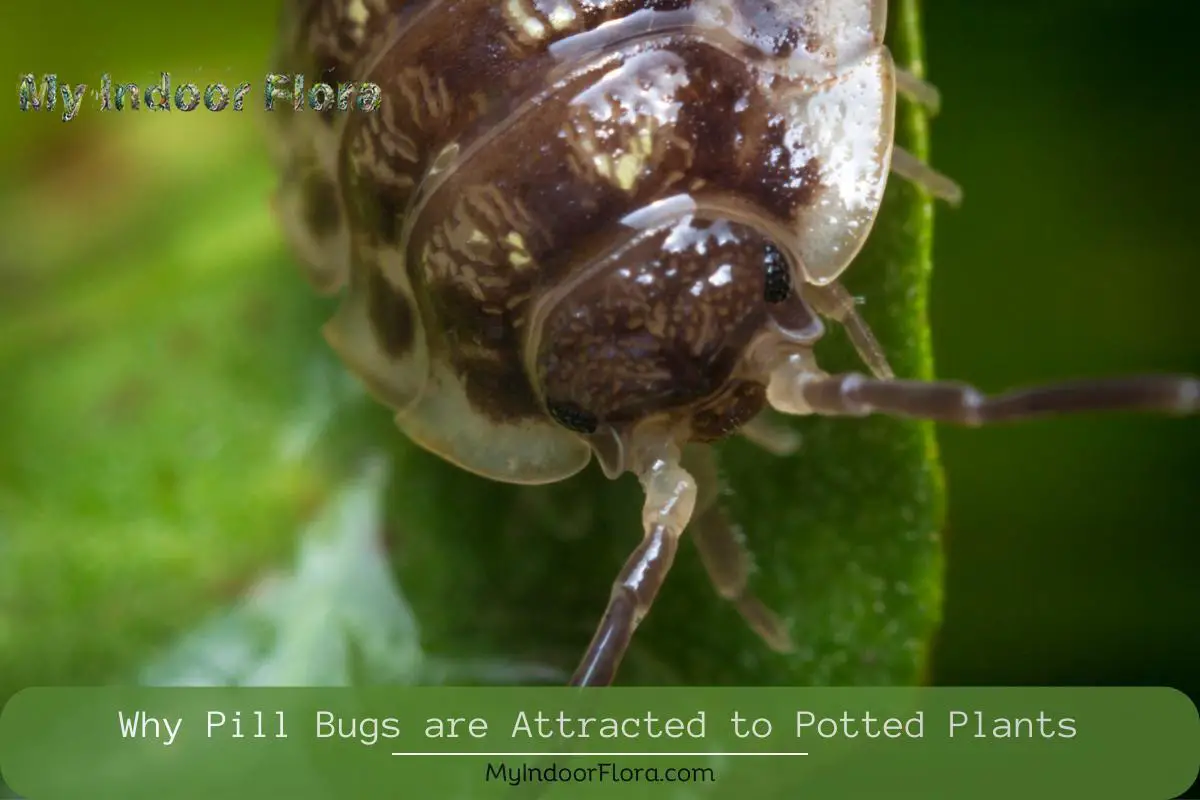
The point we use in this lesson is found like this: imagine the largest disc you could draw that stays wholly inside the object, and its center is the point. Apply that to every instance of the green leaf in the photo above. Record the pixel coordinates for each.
(846, 534)
(161, 397)
(182, 485)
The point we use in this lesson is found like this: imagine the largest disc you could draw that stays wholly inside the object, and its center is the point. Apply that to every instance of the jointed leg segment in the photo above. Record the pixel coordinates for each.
(771, 435)
(907, 165)
(727, 562)
(918, 90)
(724, 554)
(914, 170)
(835, 302)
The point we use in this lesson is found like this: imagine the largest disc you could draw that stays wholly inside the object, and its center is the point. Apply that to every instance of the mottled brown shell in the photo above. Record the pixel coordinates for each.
(569, 215)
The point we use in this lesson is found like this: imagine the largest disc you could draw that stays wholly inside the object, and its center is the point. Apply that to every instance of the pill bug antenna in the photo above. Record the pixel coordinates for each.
(799, 388)
(671, 494)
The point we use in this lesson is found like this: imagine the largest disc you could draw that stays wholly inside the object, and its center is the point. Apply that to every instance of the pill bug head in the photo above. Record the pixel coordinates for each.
(670, 329)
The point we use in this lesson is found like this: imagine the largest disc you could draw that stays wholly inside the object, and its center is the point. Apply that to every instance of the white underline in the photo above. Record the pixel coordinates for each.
(603, 755)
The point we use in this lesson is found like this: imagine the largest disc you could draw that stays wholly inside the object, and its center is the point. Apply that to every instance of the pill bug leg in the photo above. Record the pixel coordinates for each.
(770, 433)
(914, 170)
(908, 166)
(918, 90)
(834, 302)
(724, 553)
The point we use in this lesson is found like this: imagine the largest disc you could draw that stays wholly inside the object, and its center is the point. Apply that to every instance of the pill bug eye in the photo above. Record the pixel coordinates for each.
(572, 417)
(778, 278)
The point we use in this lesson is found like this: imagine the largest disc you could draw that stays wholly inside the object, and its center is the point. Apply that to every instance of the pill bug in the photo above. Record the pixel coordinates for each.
(614, 229)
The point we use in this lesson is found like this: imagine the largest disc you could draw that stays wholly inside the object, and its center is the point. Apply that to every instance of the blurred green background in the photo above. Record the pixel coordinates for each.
(1071, 544)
